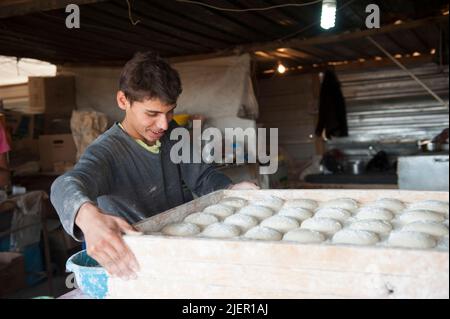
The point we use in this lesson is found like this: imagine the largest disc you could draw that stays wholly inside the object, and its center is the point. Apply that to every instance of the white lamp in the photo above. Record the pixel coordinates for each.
(328, 18)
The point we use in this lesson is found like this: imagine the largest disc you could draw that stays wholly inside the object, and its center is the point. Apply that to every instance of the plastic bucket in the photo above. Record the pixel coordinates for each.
(90, 277)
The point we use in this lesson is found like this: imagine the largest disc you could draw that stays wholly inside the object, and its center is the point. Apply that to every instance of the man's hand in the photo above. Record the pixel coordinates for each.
(243, 186)
(103, 235)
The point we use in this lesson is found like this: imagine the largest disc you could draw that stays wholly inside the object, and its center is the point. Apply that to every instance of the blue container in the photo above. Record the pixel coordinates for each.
(90, 277)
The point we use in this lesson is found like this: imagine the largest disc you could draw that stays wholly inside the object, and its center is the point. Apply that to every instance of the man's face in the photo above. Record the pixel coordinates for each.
(147, 120)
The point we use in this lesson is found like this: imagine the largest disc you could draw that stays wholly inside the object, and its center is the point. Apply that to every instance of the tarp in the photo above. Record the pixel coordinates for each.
(217, 88)
(14, 71)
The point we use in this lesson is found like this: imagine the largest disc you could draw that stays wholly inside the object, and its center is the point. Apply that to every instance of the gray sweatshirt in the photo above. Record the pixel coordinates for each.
(126, 180)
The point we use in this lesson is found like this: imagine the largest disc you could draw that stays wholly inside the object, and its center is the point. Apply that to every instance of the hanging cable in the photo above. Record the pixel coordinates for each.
(252, 9)
(130, 16)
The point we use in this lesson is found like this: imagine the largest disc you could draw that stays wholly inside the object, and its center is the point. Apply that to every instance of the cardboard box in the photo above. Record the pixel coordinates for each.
(12, 272)
(52, 95)
(24, 130)
(56, 148)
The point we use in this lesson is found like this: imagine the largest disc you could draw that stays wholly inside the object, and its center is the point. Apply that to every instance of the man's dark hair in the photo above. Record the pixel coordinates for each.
(148, 76)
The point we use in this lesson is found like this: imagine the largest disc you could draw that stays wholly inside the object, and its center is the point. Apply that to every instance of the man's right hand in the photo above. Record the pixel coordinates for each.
(104, 242)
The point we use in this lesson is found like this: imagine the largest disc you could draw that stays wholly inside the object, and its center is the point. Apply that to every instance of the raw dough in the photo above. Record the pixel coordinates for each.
(324, 225)
(280, 223)
(410, 239)
(304, 236)
(263, 233)
(430, 228)
(345, 203)
(392, 204)
(298, 213)
(272, 202)
(309, 204)
(181, 229)
(258, 211)
(434, 205)
(221, 230)
(235, 202)
(355, 237)
(372, 225)
(420, 215)
(374, 213)
(219, 210)
(201, 219)
(339, 214)
(245, 222)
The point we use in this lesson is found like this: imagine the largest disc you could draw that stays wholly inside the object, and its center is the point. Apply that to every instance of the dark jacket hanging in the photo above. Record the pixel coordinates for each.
(332, 110)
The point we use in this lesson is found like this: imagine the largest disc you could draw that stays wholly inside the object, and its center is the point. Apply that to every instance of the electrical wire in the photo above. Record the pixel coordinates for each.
(252, 9)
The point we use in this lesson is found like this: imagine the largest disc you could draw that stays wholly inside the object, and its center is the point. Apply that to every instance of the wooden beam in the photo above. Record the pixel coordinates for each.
(11, 8)
(320, 40)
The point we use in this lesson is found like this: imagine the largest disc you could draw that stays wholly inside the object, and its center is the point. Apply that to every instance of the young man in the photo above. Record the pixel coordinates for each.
(126, 174)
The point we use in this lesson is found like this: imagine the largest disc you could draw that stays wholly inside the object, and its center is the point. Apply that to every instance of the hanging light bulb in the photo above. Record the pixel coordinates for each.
(281, 68)
(328, 18)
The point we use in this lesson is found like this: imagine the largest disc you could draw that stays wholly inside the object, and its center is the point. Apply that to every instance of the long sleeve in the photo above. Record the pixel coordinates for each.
(90, 179)
(203, 178)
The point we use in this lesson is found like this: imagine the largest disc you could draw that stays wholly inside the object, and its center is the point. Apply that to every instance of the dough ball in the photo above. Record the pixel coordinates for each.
(345, 203)
(245, 222)
(201, 219)
(304, 236)
(263, 233)
(355, 237)
(372, 225)
(391, 204)
(235, 202)
(298, 213)
(323, 225)
(420, 215)
(221, 230)
(410, 239)
(181, 229)
(309, 204)
(219, 210)
(374, 213)
(430, 228)
(339, 214)
(272, 202)
(258, 211)
(280, 223)
(434, 205)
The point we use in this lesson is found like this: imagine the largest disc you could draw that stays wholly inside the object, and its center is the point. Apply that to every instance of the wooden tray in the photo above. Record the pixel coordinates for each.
(174, 267)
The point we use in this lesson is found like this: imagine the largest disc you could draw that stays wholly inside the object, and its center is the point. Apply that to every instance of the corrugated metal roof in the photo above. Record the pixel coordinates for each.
(176, 29)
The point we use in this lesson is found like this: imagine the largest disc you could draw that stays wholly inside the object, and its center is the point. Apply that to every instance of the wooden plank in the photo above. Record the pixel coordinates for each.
(236, 268)
(16, 91)
(291, 270)
(10, 8)
(304, 185)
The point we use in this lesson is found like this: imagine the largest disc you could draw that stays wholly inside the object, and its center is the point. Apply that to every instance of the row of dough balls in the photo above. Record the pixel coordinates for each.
(296, 221)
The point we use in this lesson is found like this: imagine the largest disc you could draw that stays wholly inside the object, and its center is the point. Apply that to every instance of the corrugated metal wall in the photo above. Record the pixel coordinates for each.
(289, 103)
(386, 106)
